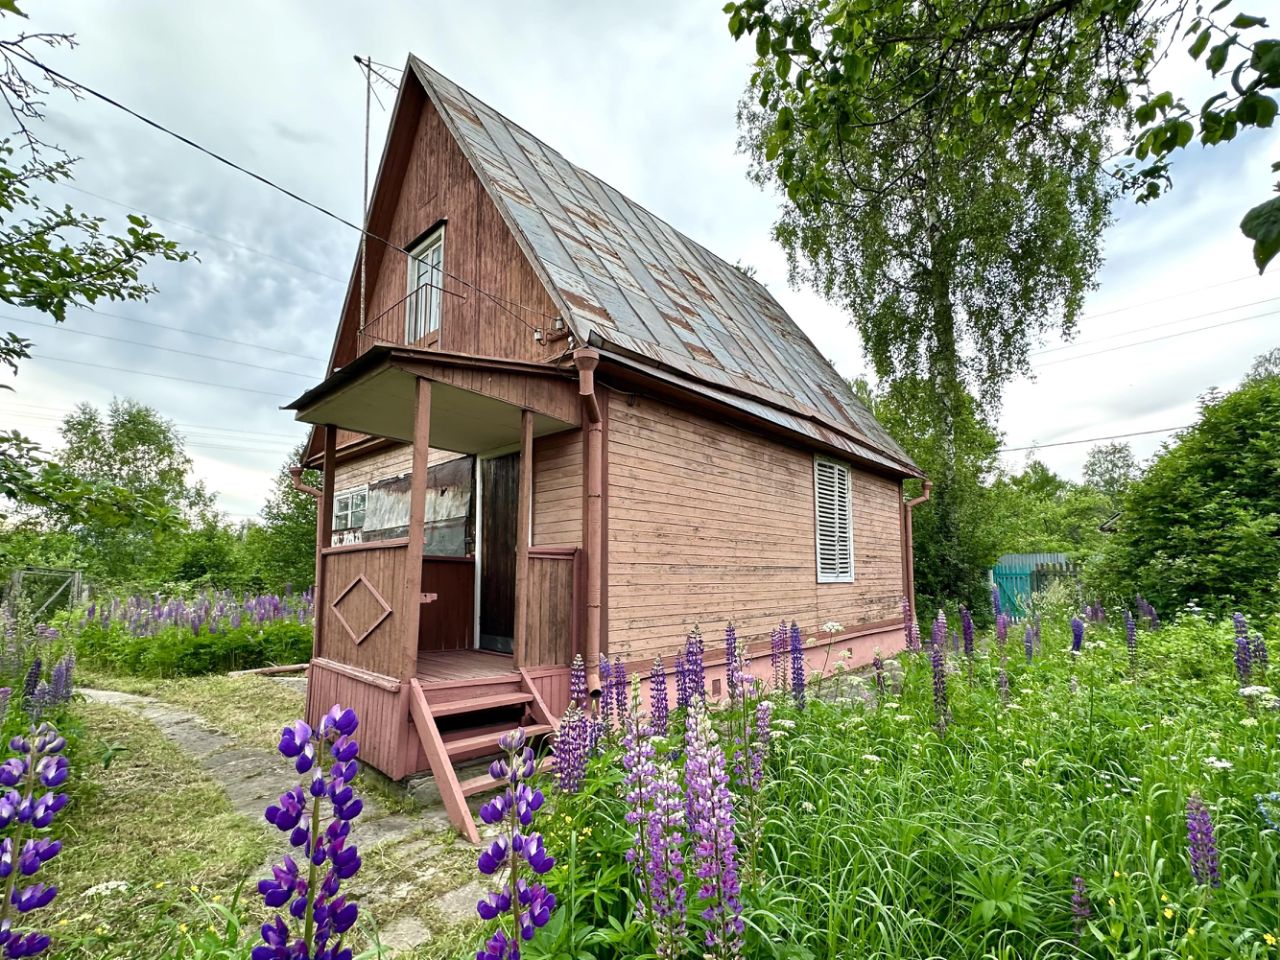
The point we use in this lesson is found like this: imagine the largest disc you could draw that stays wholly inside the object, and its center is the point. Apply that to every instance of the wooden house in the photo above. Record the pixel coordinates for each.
(555, 425)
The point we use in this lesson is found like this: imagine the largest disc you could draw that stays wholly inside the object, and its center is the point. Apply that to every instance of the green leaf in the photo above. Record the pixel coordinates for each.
(1198, 47)
(1218, 55)
(1262, 226)
(1243, 21)
(762, 42)
(1264, 109)
(782, 66)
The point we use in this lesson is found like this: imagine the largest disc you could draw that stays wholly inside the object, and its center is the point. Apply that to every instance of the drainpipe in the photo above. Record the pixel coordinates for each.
(295, 474)
(910, 572)
(586, 359)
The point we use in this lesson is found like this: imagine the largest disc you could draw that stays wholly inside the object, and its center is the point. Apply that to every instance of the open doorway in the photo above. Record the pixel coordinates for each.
(498, 485)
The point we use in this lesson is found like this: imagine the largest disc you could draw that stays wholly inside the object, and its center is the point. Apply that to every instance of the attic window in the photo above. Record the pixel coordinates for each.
(426, 288)
(833, 506)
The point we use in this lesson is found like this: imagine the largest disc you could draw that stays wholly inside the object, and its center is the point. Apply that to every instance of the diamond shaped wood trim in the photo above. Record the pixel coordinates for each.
(372, 591)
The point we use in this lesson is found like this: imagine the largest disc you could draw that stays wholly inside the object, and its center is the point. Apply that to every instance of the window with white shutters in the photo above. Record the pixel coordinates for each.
(833, 504)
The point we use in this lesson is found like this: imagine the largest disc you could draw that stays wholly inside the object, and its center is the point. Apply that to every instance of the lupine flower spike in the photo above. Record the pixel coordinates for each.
(996, 610)
(939, 665)
(1244, 648)
(732, 664)
(1131, 638)
(659, 709)
(715, 852)
(656, 815)
(1077, 634)
(574, 744)
(521, 906)
(1202, 846)
(797, 665)
(1029, 642)
(966, 624)
(1081, 910)
(938, 638)
(877, 667)
(317, 819)
(1002, 631)
(910, 626)
(778, 655)
(578, 683)
(28, 804)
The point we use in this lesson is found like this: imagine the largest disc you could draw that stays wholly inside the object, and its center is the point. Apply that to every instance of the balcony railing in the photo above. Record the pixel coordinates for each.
(412, 321)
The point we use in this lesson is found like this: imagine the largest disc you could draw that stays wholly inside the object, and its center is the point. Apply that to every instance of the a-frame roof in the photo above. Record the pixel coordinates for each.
(631, 285)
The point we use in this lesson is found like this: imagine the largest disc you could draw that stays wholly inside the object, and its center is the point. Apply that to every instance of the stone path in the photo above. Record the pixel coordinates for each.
(418, 861)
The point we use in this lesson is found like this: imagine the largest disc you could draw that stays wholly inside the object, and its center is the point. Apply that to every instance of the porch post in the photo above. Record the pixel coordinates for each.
(417, 518)
(523, 504)
(324, 525)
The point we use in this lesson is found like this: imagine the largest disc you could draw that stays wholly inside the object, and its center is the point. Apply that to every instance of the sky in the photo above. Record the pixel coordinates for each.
(644, 97)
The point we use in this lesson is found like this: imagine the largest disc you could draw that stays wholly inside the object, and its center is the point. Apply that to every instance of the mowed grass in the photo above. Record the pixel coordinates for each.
(144, 837)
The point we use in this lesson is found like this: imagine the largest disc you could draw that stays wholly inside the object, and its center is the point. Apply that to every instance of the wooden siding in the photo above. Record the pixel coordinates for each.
(382, 567)
(554, 601)
(447, 622)
(383, 715)
(437, 186)
(557, 489)
(708, 523)
(393, 462)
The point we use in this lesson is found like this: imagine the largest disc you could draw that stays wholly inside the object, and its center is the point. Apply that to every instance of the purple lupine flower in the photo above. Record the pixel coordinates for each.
(605, 705)
(1131, 637)
(323, 915)
(1002, 630)
(527, 904)
(1081, 910)
(966, 624)
(573, 745)
(682, 682)
(911, 628)
(1258, 654)
(760, 744)
(38, 765)
(1202, 846)
(939, 664)
(38, 701)
(778, 654)
(1148, 611)
(1077, 634)
(1029, 641)
(695, 665)
(32, 678)
(619, 678)
(1035, 631)
(658, 706)
(712, 825)
(996, 610)
(656, 813)
(1003, 683)
(797, 665)
(938, 638)
(732, 664)
(578, 683)
(955, 642)
(877, 667)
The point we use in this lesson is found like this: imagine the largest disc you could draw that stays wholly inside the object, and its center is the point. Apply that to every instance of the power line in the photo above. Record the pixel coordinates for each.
(207, 336)
(161, 376)
(264, 446)
(206, 233)
(155, 125)
(1172, 296)
(1155, 326)
(61, 414)
(151, 346)
(1168, 336)
(1069, 443)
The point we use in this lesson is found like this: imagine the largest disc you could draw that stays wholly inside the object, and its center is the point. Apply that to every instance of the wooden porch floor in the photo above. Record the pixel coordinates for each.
(444, 665)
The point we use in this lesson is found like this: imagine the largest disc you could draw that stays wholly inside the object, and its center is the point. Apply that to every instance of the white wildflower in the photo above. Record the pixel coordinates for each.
(870, 758)
(1218, 764)
(806, 806)
(1029, 762)
(1254, 691)
(1249, 722)
(110, 886)
(832, 626)
(903, 717)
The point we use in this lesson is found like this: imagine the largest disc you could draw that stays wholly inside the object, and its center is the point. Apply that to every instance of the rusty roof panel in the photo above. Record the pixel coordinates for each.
(626, 278)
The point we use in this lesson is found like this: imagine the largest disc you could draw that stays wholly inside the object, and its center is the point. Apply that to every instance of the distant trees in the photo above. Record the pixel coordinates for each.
(1110, 468)
(1202, 523)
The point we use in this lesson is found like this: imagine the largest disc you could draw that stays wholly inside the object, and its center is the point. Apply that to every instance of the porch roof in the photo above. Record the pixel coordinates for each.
(475, 402)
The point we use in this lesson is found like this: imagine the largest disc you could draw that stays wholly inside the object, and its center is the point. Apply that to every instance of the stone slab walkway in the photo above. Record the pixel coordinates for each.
(420, 881)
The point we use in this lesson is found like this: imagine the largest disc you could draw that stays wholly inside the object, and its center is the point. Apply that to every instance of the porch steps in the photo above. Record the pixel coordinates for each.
(484, 783)
(478, 738)
(478, 704)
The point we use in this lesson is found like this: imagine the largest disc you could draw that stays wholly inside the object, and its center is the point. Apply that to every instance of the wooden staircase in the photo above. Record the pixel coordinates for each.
(488, 708)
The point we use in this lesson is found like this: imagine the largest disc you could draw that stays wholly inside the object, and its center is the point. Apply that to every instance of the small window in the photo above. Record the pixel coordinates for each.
(426, 288)
(348, 509)
(833, 505)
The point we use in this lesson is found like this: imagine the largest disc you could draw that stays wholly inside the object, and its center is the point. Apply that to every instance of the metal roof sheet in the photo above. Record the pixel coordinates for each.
(626, 279)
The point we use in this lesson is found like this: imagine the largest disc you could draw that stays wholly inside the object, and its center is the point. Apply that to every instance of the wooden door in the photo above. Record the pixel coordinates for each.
(499, 487)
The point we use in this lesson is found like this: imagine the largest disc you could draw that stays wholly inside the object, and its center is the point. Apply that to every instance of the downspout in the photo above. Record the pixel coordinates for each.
(911, 548)
(586, 359)
(295, 475)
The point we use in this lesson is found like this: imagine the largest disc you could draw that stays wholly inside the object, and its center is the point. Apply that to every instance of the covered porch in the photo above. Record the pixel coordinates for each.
(466, 642)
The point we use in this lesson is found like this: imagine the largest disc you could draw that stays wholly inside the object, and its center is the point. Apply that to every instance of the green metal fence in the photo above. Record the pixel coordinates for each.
(1018, 576)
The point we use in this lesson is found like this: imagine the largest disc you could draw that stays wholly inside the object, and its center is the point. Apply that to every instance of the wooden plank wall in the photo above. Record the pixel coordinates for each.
(552, 610)
(557, 489)
(447, 623)
(383, 720)
(439, 185)
(709, 523)
(392, 462)
(383, 567)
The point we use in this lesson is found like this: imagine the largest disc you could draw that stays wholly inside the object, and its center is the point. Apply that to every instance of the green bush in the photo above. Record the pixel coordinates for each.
(1202, 525)
(177, 651)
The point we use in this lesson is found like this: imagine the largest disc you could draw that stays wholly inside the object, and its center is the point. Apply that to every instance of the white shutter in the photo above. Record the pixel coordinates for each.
(833, 505)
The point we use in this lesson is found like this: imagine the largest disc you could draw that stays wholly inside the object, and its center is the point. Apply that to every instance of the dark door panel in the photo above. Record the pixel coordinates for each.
(499, 486)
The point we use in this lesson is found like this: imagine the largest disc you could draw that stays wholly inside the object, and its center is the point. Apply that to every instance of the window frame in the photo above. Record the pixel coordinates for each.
(845, 470)
(424, 306)
(363, 491)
